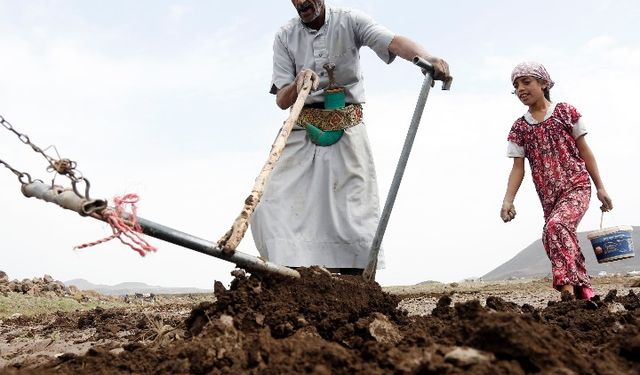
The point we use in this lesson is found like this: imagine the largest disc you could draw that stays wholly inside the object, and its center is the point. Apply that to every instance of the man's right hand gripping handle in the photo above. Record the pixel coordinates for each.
(427, 67)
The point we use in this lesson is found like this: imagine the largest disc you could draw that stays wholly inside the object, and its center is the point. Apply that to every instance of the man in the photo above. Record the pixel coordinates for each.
(321, 205)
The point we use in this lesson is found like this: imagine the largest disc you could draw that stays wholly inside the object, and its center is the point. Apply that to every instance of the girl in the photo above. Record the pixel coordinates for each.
(552, 136)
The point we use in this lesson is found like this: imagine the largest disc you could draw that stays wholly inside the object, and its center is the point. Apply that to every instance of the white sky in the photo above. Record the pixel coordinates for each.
(168, 99)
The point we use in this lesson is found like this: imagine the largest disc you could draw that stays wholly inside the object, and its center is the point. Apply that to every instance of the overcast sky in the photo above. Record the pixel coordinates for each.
(169, 100)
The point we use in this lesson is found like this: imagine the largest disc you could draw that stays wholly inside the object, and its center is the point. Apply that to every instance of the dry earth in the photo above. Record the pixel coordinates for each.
(421, 299)
(324, 324)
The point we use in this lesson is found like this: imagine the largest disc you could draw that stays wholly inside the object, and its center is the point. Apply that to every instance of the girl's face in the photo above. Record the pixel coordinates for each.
(529, 90)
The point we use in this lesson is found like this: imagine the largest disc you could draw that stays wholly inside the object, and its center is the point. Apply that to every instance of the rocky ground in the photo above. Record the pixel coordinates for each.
(327, 324)
(38, 286)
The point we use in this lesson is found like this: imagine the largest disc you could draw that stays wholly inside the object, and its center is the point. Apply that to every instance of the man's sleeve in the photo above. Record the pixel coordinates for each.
(373, 35)
(284, 71)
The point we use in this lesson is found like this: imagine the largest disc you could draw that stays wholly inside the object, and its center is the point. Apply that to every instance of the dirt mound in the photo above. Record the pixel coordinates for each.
(322, 324)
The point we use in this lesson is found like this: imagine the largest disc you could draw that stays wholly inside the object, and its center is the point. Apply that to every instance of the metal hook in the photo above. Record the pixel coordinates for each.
(330, 68)
(74, 184)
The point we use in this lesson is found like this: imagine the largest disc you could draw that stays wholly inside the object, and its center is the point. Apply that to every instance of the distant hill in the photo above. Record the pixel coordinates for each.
(131, 288)
(533, 261)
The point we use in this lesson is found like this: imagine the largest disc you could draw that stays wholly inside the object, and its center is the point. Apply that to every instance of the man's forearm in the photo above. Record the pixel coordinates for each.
(406, 48)
(286, 96)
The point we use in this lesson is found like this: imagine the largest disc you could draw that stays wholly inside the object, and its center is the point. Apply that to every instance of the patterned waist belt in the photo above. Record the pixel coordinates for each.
(331, 119)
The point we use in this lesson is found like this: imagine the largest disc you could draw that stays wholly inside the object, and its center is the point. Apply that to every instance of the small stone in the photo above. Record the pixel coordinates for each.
(257, 289)
(50, 294)
(227, 320)
(25, 286)
(116, 351)
(615, 308)
(321, 370)
(465, 357)
(383, 330)
(239, 273)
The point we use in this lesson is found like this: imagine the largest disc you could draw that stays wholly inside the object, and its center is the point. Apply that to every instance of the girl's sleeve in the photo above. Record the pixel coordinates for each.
(578, 128)
(514, 150)
(515, 147)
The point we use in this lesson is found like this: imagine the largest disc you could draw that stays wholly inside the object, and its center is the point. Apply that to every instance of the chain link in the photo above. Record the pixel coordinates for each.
(63, 167)
(23, 177)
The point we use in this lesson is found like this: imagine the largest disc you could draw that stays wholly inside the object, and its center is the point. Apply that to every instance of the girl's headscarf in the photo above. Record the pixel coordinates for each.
(531, 69)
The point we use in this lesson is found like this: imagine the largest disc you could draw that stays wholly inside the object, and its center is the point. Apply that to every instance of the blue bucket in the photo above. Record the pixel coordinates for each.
(611, 244)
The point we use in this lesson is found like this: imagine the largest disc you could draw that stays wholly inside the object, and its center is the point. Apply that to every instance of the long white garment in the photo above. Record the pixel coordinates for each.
(320, 206)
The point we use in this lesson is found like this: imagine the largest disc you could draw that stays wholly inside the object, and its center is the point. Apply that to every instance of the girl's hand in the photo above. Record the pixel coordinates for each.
(507, 212)
(603, 197)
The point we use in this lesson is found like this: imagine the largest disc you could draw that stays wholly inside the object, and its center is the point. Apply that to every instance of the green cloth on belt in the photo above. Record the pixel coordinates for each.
(334, 99)
(323, 138)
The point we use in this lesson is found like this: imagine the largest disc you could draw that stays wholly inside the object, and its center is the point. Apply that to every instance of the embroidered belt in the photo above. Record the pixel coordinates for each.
(331, 119)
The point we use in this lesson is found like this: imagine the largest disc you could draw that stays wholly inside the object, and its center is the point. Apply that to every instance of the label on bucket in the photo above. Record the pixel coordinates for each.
(613, 246)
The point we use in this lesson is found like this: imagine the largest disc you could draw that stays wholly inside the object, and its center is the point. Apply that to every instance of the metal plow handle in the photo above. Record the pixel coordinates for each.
(67, 199)
(370, 272)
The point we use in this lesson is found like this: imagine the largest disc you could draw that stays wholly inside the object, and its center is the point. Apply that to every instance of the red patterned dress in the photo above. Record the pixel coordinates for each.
(564, 188)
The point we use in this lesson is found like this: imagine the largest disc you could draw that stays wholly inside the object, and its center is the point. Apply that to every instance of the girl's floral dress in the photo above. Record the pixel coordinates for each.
(563, 186)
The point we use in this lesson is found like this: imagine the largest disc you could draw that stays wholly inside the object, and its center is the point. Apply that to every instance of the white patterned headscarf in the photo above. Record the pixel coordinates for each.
(531, 69)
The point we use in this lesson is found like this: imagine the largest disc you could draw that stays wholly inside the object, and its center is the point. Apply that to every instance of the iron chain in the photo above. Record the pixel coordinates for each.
(23, 177)
(64, 167)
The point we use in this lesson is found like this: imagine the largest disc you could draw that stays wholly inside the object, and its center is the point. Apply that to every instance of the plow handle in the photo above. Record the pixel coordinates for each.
(428, 68)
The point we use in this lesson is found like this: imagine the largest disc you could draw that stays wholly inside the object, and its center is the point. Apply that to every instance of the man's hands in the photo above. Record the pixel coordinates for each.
(508, 211)
(304, 73)
(288, 95)
(604, 198)
(440, 67)
(408, 49)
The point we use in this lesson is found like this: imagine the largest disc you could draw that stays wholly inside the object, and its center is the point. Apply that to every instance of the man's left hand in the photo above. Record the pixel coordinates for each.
(440, 69)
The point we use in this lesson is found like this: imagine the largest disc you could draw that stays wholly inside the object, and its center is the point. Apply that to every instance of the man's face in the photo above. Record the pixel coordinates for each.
(309, 10)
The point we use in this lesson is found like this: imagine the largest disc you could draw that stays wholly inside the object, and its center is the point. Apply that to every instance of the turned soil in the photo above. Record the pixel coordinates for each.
(328, 324)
